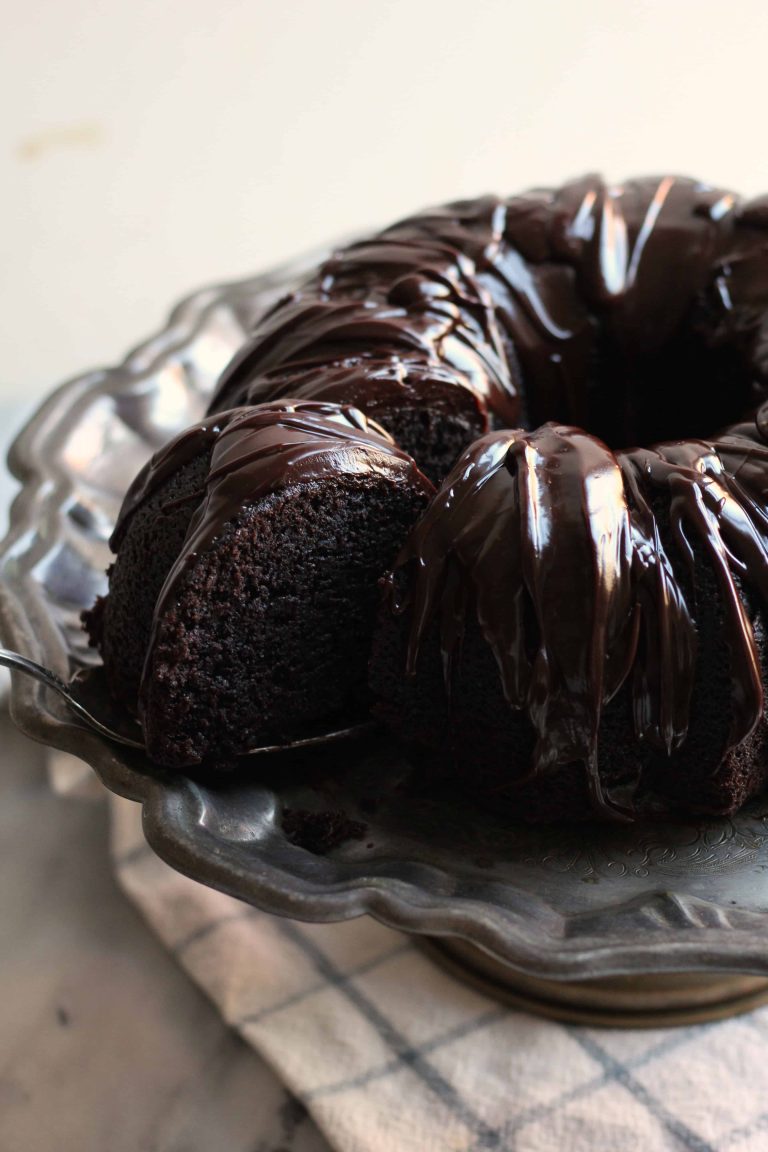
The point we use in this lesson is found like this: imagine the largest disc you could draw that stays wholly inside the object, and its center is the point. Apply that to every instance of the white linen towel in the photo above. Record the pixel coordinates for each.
(390, 1054)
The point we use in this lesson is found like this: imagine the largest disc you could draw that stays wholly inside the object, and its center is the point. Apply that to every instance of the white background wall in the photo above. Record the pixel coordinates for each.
(148, 146)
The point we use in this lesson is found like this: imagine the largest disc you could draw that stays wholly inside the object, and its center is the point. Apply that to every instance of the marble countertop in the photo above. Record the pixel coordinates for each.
(104, 1041)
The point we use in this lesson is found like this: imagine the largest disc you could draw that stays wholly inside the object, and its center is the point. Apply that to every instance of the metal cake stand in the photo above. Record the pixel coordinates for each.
(632, 926)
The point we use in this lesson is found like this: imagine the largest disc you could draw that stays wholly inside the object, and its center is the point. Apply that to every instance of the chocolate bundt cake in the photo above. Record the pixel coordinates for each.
(243, 596)
(576, 625)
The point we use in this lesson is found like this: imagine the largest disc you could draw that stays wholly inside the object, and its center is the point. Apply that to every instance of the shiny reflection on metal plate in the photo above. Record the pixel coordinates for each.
(575, 903)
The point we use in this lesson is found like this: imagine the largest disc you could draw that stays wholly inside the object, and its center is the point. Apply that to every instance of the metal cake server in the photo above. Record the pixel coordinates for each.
(75, 693)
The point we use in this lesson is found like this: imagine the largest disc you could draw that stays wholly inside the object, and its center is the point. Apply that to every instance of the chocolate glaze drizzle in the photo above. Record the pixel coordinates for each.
(256, 450)
(550, 539)
(554, 304)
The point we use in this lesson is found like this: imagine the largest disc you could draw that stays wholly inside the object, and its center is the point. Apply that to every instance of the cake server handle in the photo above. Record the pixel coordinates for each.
(19, 663)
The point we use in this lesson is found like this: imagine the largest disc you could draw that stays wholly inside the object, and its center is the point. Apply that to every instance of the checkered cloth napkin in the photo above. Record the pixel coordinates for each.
(391, 1055)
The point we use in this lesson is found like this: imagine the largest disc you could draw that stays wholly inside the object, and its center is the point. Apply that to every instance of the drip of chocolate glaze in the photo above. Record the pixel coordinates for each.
(538, 517)
(707, 503)
(517, 298)
(549, 540)
(299, 418)
(397, 380)
(263, 449)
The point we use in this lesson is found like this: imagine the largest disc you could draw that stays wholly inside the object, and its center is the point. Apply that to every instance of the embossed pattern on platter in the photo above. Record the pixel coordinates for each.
(669, 849)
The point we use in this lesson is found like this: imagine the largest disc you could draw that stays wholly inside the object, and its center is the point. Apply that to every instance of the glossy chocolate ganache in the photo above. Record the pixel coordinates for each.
(633, 311)
(255, 450)
(549, 540)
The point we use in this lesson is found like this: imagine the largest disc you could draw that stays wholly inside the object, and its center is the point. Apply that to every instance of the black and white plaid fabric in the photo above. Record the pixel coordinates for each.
(391, 1055)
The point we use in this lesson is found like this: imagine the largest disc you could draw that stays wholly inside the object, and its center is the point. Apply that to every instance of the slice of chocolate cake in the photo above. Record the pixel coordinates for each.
(243, 596)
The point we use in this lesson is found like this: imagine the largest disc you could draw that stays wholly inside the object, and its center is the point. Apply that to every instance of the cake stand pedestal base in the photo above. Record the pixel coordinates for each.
(661, 1000)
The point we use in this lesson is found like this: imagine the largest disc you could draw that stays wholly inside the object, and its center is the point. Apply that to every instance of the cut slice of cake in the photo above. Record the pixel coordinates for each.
(243, 596)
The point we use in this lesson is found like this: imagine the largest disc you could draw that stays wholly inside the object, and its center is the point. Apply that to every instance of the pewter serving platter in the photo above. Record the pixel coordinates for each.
(565, 904)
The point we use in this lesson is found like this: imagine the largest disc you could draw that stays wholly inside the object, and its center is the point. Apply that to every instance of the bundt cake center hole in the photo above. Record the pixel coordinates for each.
(687, 390)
